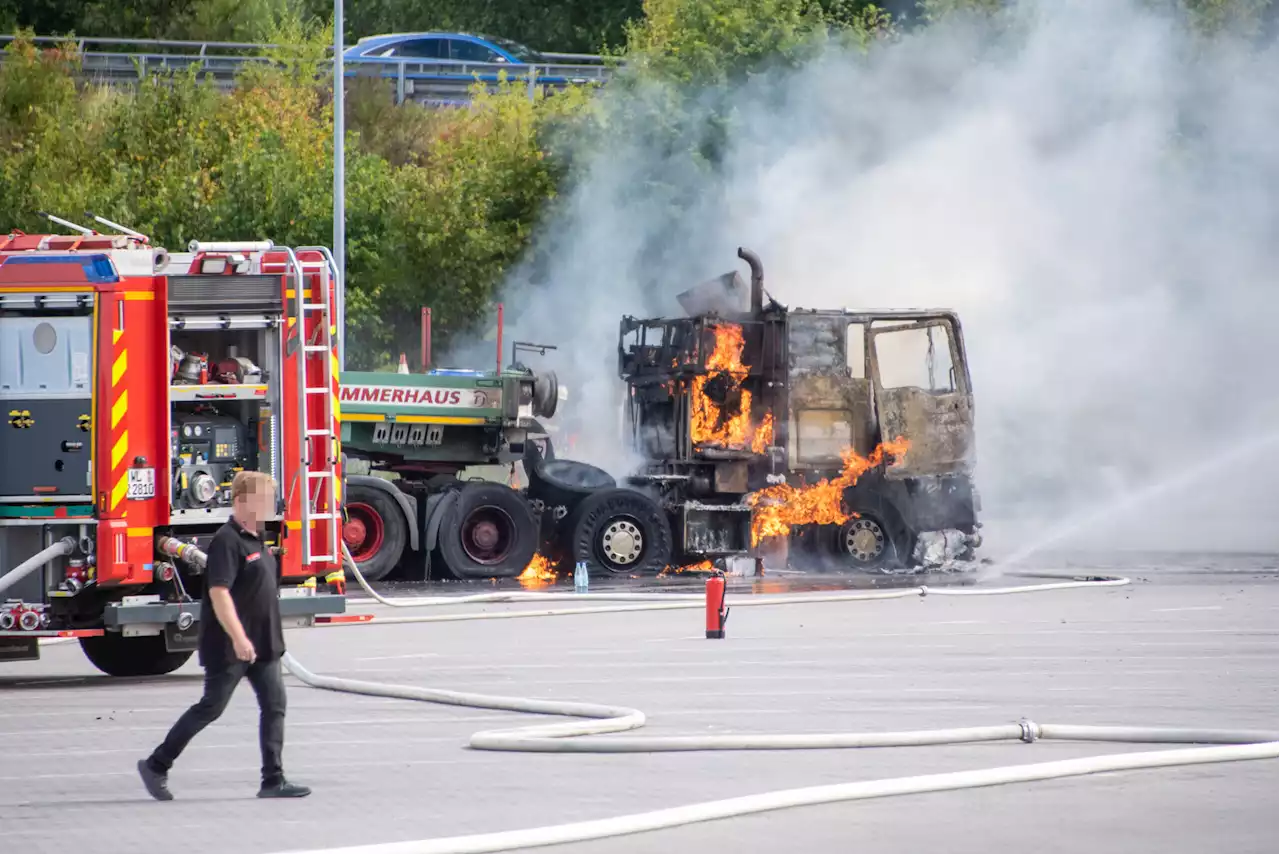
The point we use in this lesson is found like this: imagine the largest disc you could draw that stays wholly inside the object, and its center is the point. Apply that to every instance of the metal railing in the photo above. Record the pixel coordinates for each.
(117, 60)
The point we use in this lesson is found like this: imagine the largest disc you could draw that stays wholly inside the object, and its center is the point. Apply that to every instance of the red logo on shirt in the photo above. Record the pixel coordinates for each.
(253, 556)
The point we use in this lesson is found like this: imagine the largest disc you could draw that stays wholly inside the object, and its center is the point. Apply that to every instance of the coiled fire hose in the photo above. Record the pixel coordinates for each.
(571, 737)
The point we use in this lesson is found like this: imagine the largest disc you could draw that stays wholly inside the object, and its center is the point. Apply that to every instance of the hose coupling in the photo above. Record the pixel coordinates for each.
(1030, 730)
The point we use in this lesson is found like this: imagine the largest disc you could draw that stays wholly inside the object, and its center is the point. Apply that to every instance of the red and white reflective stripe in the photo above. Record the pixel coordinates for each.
(345, 618)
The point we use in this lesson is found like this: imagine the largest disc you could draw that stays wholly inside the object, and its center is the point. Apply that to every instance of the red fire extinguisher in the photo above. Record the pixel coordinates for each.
(717, 613)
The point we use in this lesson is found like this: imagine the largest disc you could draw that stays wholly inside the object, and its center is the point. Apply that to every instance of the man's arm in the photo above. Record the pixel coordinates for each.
(225, 610)
(221, 568)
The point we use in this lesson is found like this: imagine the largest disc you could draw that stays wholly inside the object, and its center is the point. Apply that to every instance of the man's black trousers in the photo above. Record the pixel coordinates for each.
(219, 684)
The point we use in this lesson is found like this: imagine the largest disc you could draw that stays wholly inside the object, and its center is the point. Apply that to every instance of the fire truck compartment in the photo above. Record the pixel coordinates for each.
(46, 396)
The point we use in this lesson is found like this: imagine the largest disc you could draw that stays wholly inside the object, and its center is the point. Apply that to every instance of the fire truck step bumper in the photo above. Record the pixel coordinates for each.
(132, 612)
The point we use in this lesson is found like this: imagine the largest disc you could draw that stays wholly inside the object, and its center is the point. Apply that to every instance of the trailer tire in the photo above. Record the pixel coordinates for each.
(489, 531)
(375, 531)
(117, 655)
(618, 530)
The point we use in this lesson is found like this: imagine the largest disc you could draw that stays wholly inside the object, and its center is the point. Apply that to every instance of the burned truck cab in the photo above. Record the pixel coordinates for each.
(848, 434)
(891, 388)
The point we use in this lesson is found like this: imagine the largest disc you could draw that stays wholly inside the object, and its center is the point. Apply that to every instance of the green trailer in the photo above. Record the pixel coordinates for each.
(453, 474)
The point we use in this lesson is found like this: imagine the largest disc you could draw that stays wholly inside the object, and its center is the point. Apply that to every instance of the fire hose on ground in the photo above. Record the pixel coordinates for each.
(584, 736)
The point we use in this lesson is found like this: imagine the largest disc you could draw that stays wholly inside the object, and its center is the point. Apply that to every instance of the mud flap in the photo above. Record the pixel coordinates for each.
(437, 506)
(180, 640)
(19, 649)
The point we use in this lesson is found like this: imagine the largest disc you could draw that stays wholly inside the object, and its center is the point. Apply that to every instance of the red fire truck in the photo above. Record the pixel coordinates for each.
(135, 384)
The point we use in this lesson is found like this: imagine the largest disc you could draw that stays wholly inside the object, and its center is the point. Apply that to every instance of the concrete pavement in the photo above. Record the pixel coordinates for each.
(1170, 650)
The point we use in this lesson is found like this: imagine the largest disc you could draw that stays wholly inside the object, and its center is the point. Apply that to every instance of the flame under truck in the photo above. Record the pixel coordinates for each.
(135, 384)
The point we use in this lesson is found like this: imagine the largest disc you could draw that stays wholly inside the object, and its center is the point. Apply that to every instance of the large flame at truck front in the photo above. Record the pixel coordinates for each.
(727, 425)
(778, 509)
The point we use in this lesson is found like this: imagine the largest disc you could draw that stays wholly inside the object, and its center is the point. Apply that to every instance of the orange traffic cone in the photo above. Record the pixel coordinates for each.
(404, 365)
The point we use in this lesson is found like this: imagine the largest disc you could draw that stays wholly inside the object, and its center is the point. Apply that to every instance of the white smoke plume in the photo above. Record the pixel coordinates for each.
(1095, 195)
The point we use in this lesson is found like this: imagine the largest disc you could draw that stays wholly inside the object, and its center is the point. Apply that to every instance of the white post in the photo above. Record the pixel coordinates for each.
(339, 184)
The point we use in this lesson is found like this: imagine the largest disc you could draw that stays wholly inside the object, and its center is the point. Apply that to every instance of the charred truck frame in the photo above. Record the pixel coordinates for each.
(848, 432)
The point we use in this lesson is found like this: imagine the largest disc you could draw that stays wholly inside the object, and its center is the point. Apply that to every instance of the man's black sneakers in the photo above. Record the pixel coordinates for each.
(283, 789)
(157, 784)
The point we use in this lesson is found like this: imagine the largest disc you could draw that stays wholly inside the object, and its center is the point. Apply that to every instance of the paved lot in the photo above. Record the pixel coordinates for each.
(1174, 649)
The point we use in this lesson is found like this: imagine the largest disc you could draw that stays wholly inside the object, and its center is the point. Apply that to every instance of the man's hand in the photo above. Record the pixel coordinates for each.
(244, 650)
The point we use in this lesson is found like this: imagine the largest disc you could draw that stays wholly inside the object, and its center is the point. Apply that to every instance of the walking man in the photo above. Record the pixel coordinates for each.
(240, 635)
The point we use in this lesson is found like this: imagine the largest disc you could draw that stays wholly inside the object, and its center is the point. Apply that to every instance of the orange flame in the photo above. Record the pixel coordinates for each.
(538, 573)
(763, 437)
(780, 508)
(702, 566)
(709, 424)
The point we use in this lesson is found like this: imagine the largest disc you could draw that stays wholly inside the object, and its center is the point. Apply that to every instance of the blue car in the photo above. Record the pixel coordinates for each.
(423, 62)
(437, 47)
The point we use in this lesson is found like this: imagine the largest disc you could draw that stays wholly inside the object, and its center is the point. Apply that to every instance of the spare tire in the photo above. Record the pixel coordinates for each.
(489, 531)
(564, 483)
(618, 530)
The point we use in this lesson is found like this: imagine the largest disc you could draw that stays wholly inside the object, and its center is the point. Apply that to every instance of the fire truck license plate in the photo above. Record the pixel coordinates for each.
(142, 484)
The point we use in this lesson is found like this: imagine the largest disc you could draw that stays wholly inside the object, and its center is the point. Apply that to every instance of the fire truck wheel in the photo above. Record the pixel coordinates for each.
(619, 530)
(116, 655)
(375, 531)
(489, 532)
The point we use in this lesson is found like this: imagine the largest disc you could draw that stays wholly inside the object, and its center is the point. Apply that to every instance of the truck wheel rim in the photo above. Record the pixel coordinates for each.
(488, 533)
(622, 542)
(363, 532)
(864, 540)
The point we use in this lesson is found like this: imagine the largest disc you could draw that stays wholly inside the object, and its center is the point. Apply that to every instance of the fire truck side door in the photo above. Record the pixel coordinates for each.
(45, 397)
(921, 385)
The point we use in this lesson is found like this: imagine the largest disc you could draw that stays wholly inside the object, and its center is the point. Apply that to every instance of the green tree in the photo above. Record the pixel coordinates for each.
(1245, 17)
(179, 159)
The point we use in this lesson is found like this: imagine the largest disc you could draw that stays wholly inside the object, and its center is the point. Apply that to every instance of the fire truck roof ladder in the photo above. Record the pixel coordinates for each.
(319, 353)
(65, 223)
(123, 229)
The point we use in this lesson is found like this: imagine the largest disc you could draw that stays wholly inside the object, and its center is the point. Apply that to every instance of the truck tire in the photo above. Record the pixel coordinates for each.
(618, 530)
(564, 483)
(374, 530)
(871, 540)
(116, 655)
(488, 532)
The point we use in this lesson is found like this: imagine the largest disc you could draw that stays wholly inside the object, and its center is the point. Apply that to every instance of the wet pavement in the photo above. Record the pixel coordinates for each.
(1192, 642)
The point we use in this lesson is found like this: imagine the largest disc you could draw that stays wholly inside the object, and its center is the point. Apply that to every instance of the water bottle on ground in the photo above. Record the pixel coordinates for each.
(580, 580)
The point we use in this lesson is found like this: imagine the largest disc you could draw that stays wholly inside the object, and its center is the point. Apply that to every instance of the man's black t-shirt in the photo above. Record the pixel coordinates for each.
(239, 561)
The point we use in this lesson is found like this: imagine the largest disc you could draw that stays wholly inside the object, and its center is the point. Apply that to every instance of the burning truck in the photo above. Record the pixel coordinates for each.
(844, 436)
